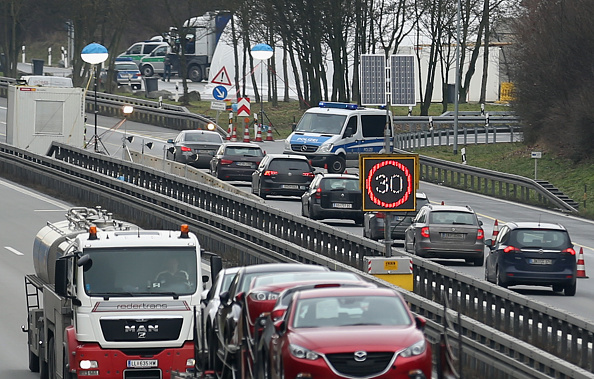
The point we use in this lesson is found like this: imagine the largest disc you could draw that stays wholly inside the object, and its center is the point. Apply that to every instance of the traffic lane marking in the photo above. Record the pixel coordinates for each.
(14, 251)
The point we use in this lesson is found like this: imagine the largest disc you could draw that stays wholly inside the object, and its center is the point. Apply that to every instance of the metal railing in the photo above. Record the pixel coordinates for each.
(502, 331)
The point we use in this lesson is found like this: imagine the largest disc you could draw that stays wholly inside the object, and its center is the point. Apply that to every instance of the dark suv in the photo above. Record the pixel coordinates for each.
(446, 231)
(280, 174)
(532, 253)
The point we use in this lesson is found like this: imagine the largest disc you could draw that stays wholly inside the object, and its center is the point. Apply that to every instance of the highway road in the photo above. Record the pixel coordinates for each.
(25, 211)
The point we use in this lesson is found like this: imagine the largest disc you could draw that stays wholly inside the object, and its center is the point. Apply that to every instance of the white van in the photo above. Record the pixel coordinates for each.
(334, 134)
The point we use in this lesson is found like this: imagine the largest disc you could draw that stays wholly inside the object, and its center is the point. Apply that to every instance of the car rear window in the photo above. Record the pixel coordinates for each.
(452, 217)
(340, 184)
(202, 137)
(544, 238)
(244, 151)
(283, 165)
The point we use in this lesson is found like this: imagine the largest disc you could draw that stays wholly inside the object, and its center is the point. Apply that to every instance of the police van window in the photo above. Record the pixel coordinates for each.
(351, 128)
(160, 52)
(373, 125)
(135, 49)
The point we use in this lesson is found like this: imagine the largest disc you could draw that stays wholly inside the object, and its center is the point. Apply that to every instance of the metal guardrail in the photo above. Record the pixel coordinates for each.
(504, 334)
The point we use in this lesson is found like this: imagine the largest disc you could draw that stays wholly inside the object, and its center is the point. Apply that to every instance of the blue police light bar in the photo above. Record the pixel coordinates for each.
(124, 59)
(327, 104)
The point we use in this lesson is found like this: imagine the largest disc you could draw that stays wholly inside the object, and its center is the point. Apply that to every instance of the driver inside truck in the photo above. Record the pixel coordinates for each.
(173, 274)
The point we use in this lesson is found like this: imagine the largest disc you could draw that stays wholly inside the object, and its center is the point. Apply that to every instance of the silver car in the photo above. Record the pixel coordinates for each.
(446, 231)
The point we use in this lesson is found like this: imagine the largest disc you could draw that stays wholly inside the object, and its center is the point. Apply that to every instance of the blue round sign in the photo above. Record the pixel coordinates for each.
(219, 93)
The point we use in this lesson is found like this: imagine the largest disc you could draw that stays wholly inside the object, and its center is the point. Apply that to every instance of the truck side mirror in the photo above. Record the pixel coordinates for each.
(61, 277)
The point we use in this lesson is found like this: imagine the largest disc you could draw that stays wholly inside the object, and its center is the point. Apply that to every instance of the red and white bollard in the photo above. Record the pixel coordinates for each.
(269, 133)
(246, 133)
(230, 129)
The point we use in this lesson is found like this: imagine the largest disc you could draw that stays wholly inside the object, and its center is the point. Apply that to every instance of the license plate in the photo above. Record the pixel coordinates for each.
(202, 151)
(142, 363)
(246, 164)
(290, 186)
(452, 236)
(541, 261)
(342, 205)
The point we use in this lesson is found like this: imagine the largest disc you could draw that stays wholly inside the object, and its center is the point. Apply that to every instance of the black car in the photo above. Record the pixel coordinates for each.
(236, 161)
(226, 347)
(333, 196)
(194, 147)
(373, 223)
(532, 253)
(281, 174)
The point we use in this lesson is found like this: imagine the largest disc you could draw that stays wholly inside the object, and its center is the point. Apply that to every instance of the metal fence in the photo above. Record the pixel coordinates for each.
(503, 334)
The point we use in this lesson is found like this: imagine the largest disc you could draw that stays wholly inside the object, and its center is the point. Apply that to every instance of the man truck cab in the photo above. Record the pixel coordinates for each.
(334, 134)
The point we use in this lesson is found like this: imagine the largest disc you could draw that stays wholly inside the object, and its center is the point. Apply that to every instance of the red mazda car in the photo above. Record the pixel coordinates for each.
(349, 333)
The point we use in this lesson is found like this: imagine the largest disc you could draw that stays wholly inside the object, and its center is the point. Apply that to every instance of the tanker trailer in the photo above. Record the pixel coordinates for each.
(111, 300)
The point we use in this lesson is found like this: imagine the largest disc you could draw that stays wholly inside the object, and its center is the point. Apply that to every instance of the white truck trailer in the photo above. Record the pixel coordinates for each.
(110, 300)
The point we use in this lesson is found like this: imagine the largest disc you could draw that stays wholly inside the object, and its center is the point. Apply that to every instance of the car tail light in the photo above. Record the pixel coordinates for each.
(569, 250)
(380, 215)
(270, 173)
(185, 148)
(318, 194)
(480, 234)
(277, 314)
(425, 231)
(137, 75)
(511, 249)
(226, 161)
(309, 174)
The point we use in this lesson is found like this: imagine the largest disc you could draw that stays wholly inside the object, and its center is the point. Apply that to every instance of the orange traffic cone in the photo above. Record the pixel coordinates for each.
(230, 130)
(258, 133)
(495, 231)
(581, 266)
(234, 134)
(246, 133)
(269, 133)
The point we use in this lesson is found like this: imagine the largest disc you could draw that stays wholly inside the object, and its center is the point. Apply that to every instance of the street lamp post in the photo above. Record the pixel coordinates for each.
(127, 110)
(94, 54)
(261, 52)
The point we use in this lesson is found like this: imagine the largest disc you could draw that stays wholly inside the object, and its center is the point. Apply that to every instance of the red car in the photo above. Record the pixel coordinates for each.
(349, 333)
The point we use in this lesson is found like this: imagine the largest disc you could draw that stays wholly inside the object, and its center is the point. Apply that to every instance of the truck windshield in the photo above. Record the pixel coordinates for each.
(321, 123)
(140, 271)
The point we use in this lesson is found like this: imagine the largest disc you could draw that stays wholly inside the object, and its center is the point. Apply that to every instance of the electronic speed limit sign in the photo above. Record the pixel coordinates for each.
(389, 181)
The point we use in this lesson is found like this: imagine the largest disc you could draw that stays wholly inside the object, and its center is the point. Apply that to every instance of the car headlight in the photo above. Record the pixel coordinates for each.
(287, 144)
(302, 353)
(326, 148)
(415, 349)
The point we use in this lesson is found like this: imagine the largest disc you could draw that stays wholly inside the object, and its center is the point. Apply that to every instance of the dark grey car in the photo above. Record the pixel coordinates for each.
(446, 231)
(236, 161)
(333, 196)
(194, 147)
(281, 174)
(373, 223)
(532, 253)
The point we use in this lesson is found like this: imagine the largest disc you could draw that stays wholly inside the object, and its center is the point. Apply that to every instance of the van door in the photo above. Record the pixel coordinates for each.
(351, 138)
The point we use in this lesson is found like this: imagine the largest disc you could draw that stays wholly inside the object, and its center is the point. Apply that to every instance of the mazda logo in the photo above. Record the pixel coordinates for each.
(303, 147)
(360, 356)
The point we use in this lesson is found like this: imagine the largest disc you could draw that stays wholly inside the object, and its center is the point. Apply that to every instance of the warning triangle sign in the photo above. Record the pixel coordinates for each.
(222, 77)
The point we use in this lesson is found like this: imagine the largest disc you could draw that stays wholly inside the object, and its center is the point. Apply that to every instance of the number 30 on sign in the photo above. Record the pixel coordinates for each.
(389, 182)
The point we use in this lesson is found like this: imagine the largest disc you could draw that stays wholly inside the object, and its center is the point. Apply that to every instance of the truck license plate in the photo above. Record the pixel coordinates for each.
(142, 363)
(342, 205)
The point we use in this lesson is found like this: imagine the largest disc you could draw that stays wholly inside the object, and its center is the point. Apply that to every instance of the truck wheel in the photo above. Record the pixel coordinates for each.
(337, 165)
(147, 71)
(195, 74)
(33, 362)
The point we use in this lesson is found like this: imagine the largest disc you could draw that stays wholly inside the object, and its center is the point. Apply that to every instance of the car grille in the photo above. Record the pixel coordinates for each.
(304, 148)
(146, 330)
(345, 364)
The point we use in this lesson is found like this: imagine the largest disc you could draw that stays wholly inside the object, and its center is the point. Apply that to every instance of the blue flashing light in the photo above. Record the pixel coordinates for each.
(327, 104)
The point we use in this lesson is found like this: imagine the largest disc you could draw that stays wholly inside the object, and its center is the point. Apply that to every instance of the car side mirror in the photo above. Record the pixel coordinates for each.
(280, 326)
(489, 242)
(420, 322)
(224, 297)
(170, 140)
(480, 223)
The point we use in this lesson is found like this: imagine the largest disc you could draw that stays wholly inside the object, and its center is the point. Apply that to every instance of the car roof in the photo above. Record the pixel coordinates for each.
(242, 144)
(305, 278)
(457, 208)
(201, 131)
(534, 225)
(339, 176)
(279, 267)
(286, 156)
(347, 291)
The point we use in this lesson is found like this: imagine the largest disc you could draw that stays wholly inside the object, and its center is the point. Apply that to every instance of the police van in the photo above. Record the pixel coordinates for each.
(334, 134)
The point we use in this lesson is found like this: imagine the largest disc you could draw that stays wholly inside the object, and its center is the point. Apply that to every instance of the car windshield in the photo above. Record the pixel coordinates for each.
(452, 217)
(351, 310)
(541, 238)
(140, 271)
(244, 151)
(321, 123)
(126, 66)
(203, 137)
